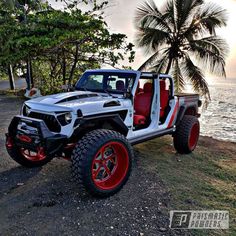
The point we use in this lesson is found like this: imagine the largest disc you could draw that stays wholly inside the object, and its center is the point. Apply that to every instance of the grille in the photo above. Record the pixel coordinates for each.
(49, 120)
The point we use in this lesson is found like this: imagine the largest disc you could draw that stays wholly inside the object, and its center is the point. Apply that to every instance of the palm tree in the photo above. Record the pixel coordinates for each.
(181, 39)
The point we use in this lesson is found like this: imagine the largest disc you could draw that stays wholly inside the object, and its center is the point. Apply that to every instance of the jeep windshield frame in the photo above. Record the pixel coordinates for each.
(111, 82)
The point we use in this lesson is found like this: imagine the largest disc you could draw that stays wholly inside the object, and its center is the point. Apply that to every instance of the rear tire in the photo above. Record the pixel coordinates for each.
(101, 162)
(187, 134)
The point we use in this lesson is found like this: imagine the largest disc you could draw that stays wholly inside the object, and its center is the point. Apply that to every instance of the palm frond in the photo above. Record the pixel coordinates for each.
(161, 63)
(196, 77)
(169, 14)
(184, 11)
(212, 16)
(149, 15)
(149, 61)
(151, 38)
(208, 18)
(211, 52)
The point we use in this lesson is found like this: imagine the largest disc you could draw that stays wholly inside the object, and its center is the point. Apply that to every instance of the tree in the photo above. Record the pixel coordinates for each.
(181, 38)
(20, 9)
(61, 44)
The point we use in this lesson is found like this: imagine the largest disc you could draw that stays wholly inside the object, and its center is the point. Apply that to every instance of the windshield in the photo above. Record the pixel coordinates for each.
(109, 82)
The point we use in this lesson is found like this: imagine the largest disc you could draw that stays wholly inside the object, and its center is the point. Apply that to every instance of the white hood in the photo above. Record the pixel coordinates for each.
(88, 102)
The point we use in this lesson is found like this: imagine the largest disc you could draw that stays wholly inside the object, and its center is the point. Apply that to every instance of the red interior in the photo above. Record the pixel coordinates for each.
(142, 105)
(143, 101)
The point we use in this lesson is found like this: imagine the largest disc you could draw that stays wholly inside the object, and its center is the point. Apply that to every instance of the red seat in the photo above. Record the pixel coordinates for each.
(138, 90)
(164, 97)
(142, 105)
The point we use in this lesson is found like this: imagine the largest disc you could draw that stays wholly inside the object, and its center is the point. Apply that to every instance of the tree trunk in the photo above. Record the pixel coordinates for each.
(31, 74)
(64, 68)
(74, 65)
(11, 78)
(28, 75)
(169, 65)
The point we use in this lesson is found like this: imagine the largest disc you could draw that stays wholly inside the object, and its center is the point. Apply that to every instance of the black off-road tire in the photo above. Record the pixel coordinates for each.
(84, 154)
(17, 156)
(186, 135)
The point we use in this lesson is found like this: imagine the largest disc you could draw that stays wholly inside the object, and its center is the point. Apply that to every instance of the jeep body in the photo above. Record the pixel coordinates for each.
(138, 105)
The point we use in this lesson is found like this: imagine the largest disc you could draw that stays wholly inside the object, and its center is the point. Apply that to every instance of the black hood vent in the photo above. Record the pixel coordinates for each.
(77, 97)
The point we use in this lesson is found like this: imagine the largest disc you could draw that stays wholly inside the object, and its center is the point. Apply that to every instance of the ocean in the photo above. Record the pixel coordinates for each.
(219, 120)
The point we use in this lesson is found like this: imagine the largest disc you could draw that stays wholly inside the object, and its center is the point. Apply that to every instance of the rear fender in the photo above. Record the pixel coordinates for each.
(186, 110)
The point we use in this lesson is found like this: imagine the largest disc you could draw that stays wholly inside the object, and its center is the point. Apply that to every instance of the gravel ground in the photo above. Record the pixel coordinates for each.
(45, 201)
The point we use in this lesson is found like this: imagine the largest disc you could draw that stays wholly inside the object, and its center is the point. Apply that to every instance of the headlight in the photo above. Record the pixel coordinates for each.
(25, 110)
(68, 118)
(65, 118)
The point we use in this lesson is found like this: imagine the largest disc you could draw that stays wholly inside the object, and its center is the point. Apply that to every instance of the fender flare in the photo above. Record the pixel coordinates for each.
(182, 111)
(114, 120)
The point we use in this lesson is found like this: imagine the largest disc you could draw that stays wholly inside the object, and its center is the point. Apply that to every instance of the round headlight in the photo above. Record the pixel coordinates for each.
(68, 117)
(27, 110)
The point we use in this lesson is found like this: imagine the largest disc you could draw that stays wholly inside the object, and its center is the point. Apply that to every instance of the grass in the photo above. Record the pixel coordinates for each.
(203, 180)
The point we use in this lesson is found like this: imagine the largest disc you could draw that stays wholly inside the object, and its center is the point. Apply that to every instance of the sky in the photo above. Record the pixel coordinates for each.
(120, 19)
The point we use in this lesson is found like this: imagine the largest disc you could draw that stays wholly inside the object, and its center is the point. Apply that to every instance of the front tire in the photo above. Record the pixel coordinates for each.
(187, 134)
(28, 158)
(101, 162)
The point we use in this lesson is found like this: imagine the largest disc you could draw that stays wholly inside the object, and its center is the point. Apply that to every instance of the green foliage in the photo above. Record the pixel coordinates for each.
(60, 44)
(181, 38)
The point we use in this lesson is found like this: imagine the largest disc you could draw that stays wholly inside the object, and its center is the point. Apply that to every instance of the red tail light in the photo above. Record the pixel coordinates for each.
(9, 142)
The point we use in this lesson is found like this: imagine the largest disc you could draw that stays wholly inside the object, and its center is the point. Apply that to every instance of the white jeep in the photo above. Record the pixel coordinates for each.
(95, 125)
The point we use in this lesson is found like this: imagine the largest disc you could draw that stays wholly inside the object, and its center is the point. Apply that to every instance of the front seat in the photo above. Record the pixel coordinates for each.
(142, 105)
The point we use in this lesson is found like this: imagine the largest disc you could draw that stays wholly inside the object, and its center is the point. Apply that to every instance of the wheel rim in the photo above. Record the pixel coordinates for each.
(110, 165)
(33, 156)
(194, 134)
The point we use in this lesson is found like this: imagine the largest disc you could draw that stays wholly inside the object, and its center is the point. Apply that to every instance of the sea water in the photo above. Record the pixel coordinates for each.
(219, 120)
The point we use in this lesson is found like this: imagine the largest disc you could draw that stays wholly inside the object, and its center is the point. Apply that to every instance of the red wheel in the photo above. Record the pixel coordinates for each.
(101, 162)
(187, 134)
(26, 157)
(33, 156)
(110, 165)
(193, 137)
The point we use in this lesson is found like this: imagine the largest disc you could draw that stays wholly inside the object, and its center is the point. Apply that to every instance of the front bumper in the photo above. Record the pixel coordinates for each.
(32, 134)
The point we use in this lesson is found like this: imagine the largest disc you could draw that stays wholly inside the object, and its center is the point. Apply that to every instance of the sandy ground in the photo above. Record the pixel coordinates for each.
(45, 201)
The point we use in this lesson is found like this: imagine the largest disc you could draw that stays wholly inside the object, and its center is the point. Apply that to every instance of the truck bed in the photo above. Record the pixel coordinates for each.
(187, 95)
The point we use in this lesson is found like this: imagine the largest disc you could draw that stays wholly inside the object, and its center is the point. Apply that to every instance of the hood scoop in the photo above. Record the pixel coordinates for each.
(76, 97)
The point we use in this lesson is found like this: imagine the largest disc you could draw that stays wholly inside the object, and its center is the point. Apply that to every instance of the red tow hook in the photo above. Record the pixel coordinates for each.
(9, 142)
(41, 153)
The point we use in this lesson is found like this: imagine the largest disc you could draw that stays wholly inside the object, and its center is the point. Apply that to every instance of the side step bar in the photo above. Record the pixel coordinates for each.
(143, 138)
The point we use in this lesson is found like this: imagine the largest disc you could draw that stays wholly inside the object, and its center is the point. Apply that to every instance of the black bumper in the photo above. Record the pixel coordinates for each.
(32, 134)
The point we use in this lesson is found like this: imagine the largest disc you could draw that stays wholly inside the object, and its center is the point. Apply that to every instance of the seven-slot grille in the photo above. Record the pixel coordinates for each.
(49, 120)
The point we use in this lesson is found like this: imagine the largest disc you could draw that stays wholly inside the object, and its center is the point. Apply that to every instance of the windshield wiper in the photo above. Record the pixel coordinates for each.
(105, 90)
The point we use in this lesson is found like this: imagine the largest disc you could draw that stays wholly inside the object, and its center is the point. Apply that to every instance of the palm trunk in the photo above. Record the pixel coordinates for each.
(11, 78)
(169, 65)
